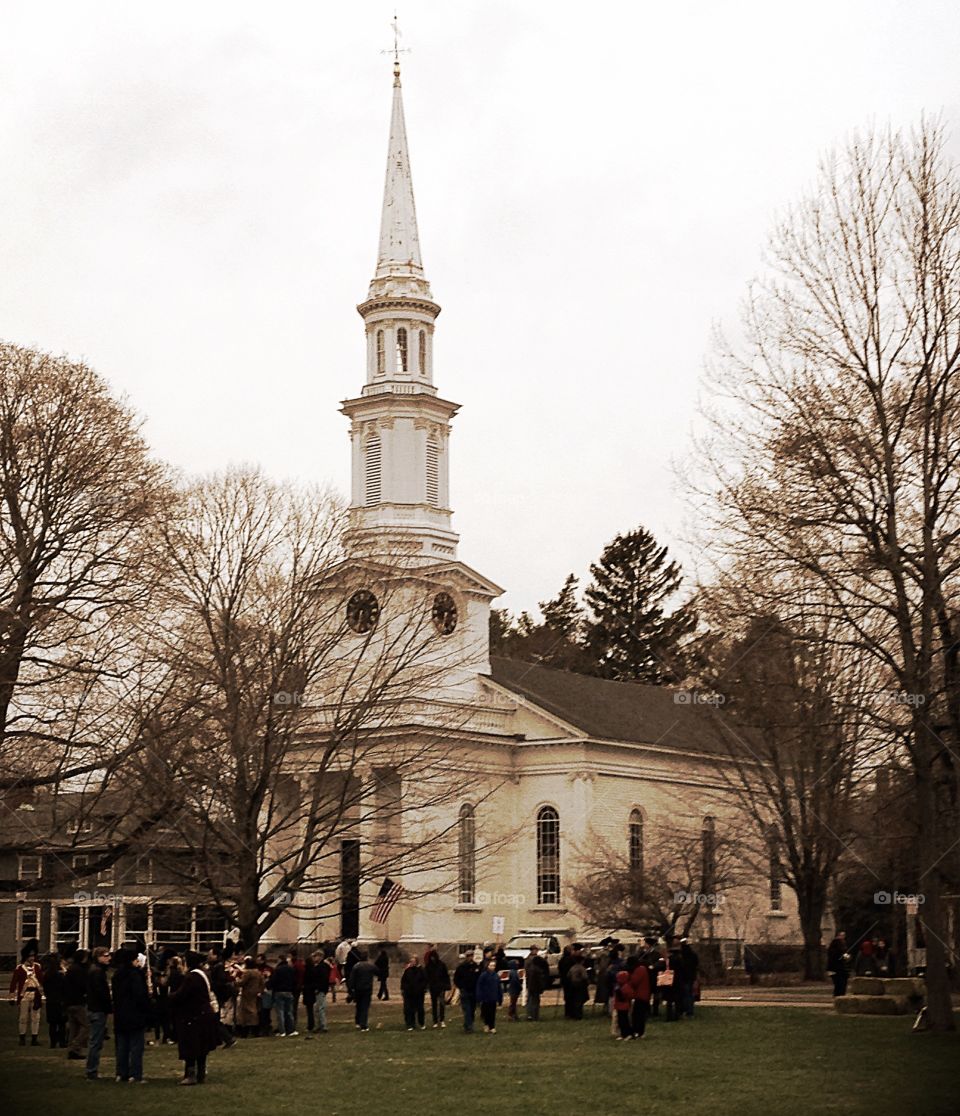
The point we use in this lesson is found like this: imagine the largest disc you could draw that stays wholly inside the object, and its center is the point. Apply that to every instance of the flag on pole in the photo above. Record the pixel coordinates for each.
(387, 897)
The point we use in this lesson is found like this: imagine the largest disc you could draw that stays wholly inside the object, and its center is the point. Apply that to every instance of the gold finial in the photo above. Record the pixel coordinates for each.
(396, 51)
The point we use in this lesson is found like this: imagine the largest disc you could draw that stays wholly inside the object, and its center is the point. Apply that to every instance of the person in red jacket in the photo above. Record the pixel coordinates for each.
(26, 991)
(622, 1001)
(640, 983)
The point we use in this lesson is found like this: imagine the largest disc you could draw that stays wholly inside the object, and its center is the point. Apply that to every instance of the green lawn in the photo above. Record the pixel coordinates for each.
(745, 1060)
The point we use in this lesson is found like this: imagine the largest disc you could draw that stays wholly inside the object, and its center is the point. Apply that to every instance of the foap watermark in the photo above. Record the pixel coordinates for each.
(288, 699)
(900, 697)
(897, 898)
(282, 899)
(697, 697)
(711, 899)
(97, 898)
(501, 899)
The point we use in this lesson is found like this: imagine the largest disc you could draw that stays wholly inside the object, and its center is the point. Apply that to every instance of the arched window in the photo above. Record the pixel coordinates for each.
(708, 838)
(381, 354)
(372, 473)
(467, 853)
(402, 354)
(433, 473)
(636, 842)
(422, 354)
(773, 859)
(548, 856)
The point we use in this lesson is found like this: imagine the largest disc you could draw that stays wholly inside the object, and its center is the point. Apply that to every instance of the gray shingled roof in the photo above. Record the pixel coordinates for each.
(626, 711)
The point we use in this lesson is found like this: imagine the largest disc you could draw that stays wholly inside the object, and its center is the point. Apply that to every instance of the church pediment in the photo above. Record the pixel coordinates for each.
(455, 574)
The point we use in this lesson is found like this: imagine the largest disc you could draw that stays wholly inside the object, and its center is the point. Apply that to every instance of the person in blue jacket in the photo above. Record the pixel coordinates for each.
(489, 995)
(514, 987)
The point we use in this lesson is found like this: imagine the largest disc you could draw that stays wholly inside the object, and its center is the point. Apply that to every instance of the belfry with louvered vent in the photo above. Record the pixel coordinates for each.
(399, 426)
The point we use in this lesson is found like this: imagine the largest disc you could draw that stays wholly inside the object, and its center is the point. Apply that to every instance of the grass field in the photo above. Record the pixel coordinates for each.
(745, 1060)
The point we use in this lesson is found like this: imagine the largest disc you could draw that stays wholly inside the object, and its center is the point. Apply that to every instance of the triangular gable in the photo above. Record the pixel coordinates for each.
(461, 575)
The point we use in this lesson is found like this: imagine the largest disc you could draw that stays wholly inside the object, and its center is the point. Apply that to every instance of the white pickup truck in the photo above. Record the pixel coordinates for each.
(550, 941)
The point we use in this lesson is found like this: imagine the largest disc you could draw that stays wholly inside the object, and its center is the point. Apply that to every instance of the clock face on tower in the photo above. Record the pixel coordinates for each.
(363, 611)
(444, 613)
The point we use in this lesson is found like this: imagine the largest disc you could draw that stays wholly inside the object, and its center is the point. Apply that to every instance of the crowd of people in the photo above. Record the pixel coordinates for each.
(874, 958)
(201, 1001)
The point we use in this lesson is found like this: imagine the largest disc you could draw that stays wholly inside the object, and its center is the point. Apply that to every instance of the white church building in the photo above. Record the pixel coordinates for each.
(577, 762)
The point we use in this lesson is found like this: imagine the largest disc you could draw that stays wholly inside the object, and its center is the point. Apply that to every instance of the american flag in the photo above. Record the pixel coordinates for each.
(387, 897)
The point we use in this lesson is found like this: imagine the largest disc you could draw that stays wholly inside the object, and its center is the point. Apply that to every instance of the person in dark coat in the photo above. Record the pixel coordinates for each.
(536, 975)
(383, 972)
(75, 1002)
(577, 985)
(131, 1015)
(514, 988)
(194, 1021)
(438, 984)
(283, 985)
(691, 969)
(671, 979)
(489, 995)
(308, 994)
(413, 988)
(838, 963)
(99, 1006)
(54, 981)
(465, 980)
(360, 986)
(883, 958)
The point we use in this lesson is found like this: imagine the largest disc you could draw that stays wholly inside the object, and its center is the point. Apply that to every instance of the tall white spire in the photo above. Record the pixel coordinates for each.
(399, 426)
(399, 253)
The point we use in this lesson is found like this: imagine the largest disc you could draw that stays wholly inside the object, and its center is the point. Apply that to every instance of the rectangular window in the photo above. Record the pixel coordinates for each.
(80, 861)
(66, 927)
(349, 888)
(30, 868)
(28, 923)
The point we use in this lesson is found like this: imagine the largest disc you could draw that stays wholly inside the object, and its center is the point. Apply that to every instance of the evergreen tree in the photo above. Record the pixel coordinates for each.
(564, 614)
(631, 637)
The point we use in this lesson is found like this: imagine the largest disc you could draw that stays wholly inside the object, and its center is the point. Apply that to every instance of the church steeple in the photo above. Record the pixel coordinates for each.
(400, 428)
(399, 253)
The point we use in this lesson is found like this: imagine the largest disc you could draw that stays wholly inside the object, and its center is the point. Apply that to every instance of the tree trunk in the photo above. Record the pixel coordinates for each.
(811, 903)
(939, 1005)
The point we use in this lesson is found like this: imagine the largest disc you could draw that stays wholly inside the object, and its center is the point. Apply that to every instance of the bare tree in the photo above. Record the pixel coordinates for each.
(321, 742)
(838, 456)
(685, 873)
(797, 748)
(77, 488)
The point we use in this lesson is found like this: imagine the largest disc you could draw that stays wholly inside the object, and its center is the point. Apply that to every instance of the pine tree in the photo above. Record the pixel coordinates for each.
(631, 637)
(564, 614)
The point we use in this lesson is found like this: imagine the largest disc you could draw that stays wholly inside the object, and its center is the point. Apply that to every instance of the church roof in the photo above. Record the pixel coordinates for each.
(399, 252)
(628, 711)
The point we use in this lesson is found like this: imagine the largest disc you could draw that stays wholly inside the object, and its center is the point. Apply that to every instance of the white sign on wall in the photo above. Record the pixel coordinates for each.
(499, 922)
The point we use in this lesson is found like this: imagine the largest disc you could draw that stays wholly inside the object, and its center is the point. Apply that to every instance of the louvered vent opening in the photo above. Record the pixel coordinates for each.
(372, 472)
(433, 474)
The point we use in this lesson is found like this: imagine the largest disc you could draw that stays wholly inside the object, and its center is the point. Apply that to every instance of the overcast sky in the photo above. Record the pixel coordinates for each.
(190, 201)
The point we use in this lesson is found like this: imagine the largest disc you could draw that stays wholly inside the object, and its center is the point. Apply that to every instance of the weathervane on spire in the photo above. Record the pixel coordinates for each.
(397, 50)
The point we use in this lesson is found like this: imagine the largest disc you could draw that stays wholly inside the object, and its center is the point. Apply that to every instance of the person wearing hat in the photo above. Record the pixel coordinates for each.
(26, 991)
(194, 1009)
